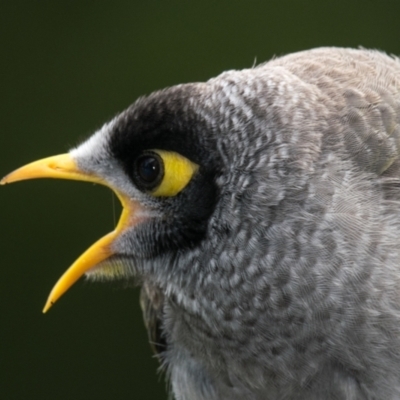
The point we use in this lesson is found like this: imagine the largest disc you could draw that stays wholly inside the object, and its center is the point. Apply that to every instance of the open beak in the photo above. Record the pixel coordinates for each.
(64, 167)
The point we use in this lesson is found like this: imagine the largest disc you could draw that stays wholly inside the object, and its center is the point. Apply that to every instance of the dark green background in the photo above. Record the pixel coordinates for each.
(66, 67)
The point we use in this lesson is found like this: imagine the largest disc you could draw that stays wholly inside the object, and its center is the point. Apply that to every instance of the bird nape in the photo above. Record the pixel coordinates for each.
(261, 212)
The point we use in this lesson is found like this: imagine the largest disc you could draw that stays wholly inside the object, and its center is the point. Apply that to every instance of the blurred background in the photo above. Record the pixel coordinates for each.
(67, 67)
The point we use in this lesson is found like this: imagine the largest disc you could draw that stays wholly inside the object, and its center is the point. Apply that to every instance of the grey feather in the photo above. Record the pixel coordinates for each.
(294, 290)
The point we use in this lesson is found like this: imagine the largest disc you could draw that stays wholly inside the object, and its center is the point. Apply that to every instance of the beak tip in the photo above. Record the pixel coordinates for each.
(47, 306)
(13, 176)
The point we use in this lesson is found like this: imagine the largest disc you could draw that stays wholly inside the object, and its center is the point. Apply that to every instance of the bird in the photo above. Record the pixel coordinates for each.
(261, 216)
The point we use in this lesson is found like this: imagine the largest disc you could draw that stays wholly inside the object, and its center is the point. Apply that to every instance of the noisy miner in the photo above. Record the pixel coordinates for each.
(261, 214)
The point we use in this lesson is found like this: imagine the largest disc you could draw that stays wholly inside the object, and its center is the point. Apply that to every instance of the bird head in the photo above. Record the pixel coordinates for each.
(157, 160)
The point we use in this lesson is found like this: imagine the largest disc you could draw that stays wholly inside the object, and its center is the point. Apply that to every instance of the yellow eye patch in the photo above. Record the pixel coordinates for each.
(178, 172)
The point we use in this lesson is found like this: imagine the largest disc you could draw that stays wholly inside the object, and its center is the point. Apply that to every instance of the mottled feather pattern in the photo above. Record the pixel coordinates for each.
(304, 301)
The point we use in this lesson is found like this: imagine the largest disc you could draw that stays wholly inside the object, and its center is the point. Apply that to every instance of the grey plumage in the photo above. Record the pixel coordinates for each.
(275, 274)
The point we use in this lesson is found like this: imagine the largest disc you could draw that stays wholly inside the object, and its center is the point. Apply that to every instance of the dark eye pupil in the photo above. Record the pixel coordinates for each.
(149, 168)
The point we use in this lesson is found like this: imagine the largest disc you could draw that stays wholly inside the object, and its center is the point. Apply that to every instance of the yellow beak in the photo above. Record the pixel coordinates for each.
(64, 167)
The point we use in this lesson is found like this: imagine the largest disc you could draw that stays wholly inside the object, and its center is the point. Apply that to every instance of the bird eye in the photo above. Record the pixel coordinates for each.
(149, 170)
(163, 173)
